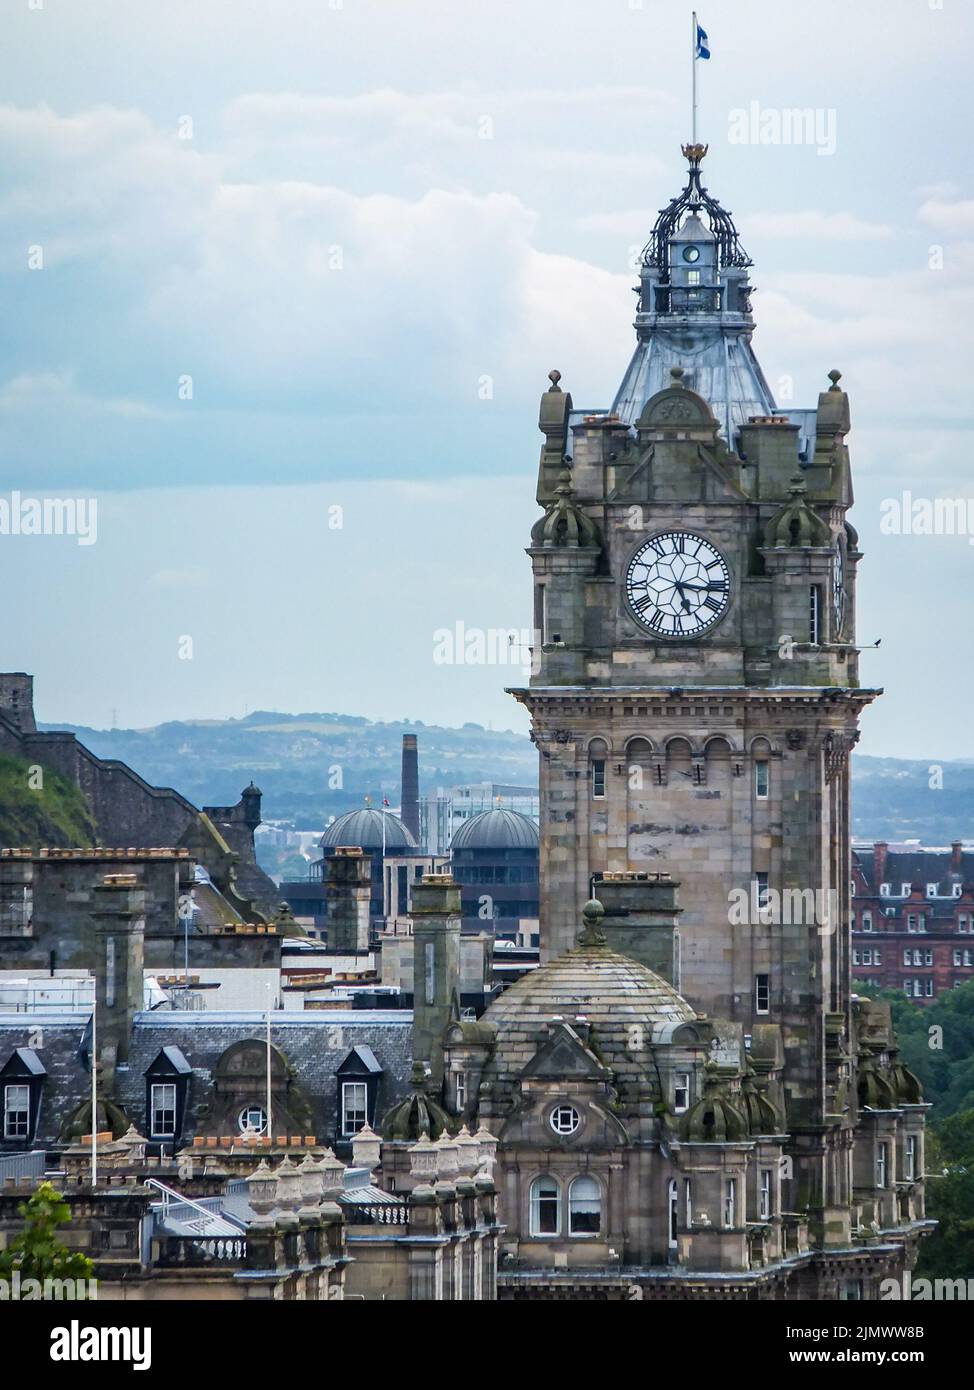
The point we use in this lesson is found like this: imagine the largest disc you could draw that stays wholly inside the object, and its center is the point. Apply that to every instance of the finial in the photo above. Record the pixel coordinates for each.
(694, 153)
(592, 914)
(554, 377)
(835, 377)
(677, 374)
(797, 485)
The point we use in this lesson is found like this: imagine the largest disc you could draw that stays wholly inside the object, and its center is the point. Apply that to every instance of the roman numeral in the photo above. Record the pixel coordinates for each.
(714, 604)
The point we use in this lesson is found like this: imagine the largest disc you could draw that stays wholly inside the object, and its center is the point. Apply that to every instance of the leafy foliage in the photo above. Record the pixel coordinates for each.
(36, 1252)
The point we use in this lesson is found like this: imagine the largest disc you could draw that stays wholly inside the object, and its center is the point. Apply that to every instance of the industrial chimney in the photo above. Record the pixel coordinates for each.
(410, 785)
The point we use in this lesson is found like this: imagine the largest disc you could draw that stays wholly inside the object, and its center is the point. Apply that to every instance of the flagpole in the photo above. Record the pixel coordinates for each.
(693, 69)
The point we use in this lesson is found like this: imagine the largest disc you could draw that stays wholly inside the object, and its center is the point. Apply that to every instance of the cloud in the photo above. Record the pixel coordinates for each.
(815, 225)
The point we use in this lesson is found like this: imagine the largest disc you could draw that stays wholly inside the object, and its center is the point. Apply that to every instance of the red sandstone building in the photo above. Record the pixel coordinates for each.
(913, 917)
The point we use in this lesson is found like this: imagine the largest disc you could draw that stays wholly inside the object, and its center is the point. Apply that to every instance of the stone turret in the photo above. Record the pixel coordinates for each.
(436, 967)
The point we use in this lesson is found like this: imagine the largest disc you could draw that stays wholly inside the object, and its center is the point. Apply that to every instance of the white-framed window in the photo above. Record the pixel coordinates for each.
(16, 1111)
(762, 994)
(910, 1158)
(688, 1202)
(882, 1163)
(911, 921)
(962, 922)
(598, 777)
(956, 890)
(766, 1194)
(957, 955)
(584, 1207)
(884, 890)
(922, 922)
(867, 921)
(673, 1201)
(905, 890)
(814, 614)
(907, 956)
(252, 1120)
(928, 957)
(461, 1089)
(855, 956)
(852, 888)
(163, 1106)
(931, 890)
(355, 1102)
(681, 1091)
(545, 1203)
(928, 987)
(564, 1119)
(693, 277)
(762, 780)
(730, 1201)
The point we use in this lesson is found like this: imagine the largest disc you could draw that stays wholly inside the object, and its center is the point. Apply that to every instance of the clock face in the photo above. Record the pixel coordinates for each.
(678, 584)
(691, 253)
(838, 590)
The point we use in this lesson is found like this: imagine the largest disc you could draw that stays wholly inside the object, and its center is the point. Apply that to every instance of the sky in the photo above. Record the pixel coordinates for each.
(282, 281)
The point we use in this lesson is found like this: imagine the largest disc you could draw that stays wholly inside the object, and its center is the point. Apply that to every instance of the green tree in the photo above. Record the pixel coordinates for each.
(949, 1252)
(36, 1252)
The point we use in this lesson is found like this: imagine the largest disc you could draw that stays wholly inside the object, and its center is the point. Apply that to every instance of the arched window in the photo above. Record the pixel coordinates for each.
(252, 1120)
(545, 1207)
(674, 1204)
(584, 1207)
(598, 753)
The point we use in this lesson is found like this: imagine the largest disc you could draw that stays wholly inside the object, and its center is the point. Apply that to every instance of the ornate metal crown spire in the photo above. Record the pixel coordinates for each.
(695, 198)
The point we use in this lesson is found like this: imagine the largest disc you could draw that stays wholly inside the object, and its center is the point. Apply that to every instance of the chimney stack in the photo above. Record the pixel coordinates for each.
(880, 851)
(436, 968)
(119, 915)
(642, 916)
(348, 889)
(410, 785)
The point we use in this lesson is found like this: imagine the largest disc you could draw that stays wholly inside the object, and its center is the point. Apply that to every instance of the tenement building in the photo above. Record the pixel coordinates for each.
(687, 1096)
(913, 917)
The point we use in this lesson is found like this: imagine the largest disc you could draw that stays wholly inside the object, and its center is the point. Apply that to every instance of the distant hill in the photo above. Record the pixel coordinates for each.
(310, 766)
(292, 757)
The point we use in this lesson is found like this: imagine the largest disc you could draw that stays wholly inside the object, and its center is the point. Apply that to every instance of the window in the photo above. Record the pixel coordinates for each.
(928, 987)
(931, 890)
(545, 1207)
(584, 1207)
(688, 1202)
(761, 780)
(761, 889)
(884, 890)
(16, 1112)
(730, 1201)
(564, 1119)
(598, 777)
(882, 1164)
(928, 957)
(163, 1109)
(911, 921)
(461, 1092)
(674, 1204)
(855, 957)
(765, 1199)
(922, 922)
(867, 921)
(814, 615)
(354, 1106)
(962, 923)
(693, 277)
(907, 956)
(251, 1120)
(956, 890)
(910, 1164)
(762, 994)
(681, 1092)
(905, 890)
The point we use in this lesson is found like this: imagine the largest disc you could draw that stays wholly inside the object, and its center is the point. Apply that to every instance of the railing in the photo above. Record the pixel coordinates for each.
(378, 1214)
(185, 1252)
(175, 1207)
(696, 299)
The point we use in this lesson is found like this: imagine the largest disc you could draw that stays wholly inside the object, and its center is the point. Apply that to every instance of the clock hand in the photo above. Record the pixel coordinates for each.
(703, 588)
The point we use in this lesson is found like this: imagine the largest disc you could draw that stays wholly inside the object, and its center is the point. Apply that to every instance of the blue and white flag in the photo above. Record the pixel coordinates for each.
(702, 50)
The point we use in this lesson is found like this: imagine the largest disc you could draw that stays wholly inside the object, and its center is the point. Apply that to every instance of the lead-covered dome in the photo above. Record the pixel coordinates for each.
(619, 1001)
(365, 829)
(497, 829)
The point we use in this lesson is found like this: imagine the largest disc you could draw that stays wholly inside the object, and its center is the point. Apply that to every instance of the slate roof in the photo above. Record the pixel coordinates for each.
(315, 1044)
(497, 829)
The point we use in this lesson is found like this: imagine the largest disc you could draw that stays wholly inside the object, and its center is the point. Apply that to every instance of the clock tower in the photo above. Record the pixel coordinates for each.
(695, 692)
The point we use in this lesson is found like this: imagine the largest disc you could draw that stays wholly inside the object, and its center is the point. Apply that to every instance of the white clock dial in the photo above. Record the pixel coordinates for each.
(678, 584)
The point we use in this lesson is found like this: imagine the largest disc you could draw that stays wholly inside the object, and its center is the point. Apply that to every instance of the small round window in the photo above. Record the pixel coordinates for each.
(252, 1120)
(564, 1119)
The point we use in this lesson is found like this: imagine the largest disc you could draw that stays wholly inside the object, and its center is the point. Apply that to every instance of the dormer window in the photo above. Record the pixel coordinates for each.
(904, 890)
(884, 890)
(931, 890)
(21, 1082)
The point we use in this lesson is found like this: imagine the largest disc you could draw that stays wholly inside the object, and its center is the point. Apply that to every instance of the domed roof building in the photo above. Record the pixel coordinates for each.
(497, 829)
(494, 857)
(369, 830)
